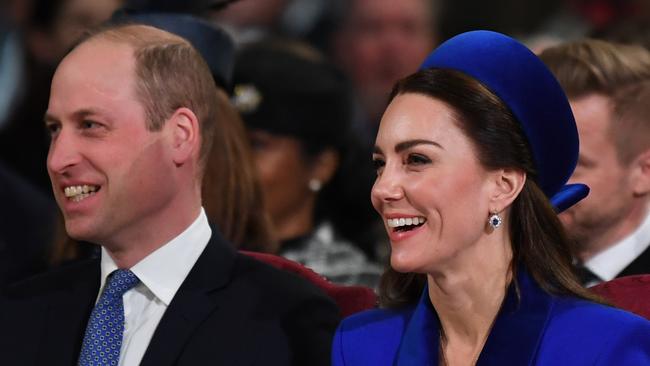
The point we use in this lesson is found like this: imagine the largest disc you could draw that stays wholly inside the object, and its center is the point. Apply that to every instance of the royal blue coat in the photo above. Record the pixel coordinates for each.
(537, 329)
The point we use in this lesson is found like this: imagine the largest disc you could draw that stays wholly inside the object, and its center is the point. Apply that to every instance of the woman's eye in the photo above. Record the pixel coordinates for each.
(378, 164)
(417, 159)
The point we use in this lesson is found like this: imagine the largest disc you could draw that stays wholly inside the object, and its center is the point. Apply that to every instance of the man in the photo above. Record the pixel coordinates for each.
(131, 116)
(380, 42)
(608, 86)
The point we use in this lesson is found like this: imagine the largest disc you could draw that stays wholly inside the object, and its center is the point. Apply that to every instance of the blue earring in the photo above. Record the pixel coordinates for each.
(495, 220)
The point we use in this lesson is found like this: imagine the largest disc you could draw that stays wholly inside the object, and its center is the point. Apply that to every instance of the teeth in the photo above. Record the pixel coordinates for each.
(78, 193)
(405, 221)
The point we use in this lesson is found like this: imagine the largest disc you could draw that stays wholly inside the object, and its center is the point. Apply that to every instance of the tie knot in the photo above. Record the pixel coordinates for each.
(119, 282)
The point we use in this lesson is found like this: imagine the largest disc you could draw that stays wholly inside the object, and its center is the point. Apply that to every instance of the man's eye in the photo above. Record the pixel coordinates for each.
(417, 159)
(53, 128)
(86, 125)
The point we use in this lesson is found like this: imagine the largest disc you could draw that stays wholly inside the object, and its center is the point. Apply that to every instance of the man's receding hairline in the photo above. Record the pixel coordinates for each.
(135, 36)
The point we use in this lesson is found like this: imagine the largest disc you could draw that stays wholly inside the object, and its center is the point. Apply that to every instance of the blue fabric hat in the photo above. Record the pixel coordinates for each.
(216, 47)
(517, 76)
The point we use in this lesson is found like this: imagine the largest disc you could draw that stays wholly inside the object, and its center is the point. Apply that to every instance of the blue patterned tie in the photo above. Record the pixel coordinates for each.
(103, 338)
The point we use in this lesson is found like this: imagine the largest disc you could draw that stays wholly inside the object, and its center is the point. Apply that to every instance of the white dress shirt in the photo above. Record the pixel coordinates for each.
(161, 274)
(613, 260)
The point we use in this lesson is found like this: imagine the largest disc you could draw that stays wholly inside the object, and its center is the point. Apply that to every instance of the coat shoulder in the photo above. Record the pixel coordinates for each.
(582, 332)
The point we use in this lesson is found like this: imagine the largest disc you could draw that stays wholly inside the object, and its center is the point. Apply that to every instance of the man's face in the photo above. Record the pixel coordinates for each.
(112, 178)
(385, 41)
(610, 197)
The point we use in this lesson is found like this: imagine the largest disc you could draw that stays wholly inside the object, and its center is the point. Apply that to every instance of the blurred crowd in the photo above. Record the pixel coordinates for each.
(304, 82)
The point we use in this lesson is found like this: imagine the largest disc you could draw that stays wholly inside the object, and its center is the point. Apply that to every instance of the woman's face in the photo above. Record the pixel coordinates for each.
(428, 177)
(284, 174)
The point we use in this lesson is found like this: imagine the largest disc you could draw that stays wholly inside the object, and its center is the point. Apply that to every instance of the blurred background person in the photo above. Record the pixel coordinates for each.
(608, 86)
(378, 42)
(46, 29)
(297, 110)
(250, 21)
(26, 228)
(34, 36)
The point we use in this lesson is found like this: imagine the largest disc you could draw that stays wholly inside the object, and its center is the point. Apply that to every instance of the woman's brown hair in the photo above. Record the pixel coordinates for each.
(232, 195)
(539, 243)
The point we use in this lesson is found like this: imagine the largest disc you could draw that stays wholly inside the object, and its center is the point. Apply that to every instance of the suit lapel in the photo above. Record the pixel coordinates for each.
(66, 316)
(641, 265)
(196, 299)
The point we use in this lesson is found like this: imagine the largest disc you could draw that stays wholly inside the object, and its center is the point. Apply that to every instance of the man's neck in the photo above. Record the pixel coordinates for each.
(602, 241)
(130, 249)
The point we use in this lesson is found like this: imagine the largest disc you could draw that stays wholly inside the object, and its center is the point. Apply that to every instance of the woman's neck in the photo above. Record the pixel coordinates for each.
(467, 295)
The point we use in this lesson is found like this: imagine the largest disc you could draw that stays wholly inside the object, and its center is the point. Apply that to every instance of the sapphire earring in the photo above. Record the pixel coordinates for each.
(495, 220)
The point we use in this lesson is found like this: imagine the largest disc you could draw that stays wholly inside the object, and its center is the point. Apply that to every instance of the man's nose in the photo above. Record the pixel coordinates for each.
(63, 153)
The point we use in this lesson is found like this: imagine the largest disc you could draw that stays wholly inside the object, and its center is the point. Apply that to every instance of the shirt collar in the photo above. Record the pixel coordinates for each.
(613, 260)
(177, 257)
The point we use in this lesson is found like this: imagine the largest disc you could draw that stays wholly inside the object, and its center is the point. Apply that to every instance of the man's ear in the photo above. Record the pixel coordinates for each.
(640, 175)
(508, 183)
(183, 127)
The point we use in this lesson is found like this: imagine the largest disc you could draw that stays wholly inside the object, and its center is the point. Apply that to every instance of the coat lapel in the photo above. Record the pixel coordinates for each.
(196, 299)
(520, 325)
(514, 338)
(421, 340)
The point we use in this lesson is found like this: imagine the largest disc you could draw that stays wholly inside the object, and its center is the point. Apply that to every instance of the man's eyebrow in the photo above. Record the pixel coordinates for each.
(78, 115)
(83, 113)
(410, 143)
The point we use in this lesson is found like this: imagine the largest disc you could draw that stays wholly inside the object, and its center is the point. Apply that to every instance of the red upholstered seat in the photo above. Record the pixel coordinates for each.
(631, 293)
(350, 299)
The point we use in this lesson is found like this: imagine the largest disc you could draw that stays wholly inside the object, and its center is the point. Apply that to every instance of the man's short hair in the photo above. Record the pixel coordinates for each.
(170, 74)
(619, 72)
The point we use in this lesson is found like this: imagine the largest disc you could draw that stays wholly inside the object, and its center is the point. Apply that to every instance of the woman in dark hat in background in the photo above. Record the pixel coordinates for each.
(297, 110)
(472, 157)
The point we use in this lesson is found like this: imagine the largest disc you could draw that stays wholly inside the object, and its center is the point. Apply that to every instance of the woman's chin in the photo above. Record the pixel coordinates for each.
(403, 265)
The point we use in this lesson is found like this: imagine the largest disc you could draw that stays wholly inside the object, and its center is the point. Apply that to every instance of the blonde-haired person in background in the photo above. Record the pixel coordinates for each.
(608, 86)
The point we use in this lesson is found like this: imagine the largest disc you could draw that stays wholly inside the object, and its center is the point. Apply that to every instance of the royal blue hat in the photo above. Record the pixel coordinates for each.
(216, 47)
(520, 79)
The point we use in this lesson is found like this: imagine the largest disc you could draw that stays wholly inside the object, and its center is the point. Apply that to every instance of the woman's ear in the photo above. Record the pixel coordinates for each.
(183, 126)
(508, 183)
(325, 165)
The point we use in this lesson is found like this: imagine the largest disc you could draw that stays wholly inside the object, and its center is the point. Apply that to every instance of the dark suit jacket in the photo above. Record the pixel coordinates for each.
(640, 265)
(230, 310)
(27, 221)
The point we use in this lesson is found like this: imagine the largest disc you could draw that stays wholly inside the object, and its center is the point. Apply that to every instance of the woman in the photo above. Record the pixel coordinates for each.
(467, 154)
(296, 108)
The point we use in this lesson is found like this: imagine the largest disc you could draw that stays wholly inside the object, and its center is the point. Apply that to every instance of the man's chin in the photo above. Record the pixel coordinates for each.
(81, 232)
